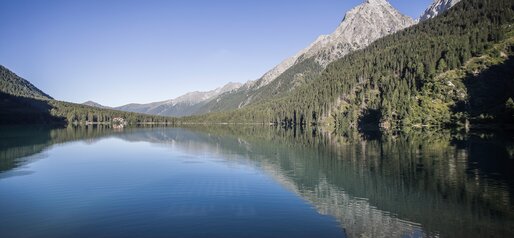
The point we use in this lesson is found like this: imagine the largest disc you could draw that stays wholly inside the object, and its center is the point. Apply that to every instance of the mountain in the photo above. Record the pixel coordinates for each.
(185, 105)
(12, 84)
(95, 104)
(438, 7)
(361, 26)
(23, 103)
(454, 70)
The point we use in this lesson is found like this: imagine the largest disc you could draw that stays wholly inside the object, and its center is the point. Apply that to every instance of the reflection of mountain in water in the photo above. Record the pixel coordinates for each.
(384, 188)
(19, 143)
(406, 185)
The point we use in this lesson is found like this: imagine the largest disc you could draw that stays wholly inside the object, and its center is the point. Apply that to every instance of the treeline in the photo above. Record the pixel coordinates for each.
(436, 73)
(82, 114)
(26, 110)
(23, 103)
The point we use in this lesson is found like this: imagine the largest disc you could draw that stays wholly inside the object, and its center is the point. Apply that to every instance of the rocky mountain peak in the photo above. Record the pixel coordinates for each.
(362, 25)
(438, 7)
(377, 2)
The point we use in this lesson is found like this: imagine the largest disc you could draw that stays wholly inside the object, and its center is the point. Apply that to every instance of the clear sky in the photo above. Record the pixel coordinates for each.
(121, 51)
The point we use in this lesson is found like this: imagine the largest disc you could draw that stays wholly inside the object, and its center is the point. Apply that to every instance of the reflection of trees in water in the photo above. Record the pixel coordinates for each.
(19, 142)
(438, 180)
(414, 184)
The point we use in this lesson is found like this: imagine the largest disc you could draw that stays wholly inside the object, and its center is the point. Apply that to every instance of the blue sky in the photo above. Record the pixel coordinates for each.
(122, 51)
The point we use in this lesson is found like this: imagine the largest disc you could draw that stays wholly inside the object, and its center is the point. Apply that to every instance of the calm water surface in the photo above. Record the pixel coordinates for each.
(253, 182)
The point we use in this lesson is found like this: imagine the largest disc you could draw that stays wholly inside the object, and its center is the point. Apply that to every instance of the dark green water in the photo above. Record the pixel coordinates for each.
(253, 182)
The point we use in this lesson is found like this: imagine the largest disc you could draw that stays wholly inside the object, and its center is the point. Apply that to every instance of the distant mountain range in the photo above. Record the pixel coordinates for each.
(94, 104)
(185, 105)
(360, 27)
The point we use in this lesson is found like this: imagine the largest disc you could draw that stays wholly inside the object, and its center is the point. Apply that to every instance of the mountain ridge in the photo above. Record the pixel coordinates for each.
(326, 42)
(360, 26)
(463, 80)
(180, 106)
(437, 7)
(13, 84)
(95, 104)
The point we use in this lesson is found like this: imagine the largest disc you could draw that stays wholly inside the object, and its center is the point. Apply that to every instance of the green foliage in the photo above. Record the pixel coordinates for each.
(509, 108)
(23, 110)
(442, 65)
(509, 105)
(82, 114)
(301, 73)
(12, 84)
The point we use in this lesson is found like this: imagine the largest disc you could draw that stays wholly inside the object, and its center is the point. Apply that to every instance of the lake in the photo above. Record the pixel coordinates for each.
(254, 181)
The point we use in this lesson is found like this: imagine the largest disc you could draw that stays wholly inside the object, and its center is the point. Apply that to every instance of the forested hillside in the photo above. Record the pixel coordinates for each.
(448, 70)
(284, 84)
(12, 84)
(23, 103)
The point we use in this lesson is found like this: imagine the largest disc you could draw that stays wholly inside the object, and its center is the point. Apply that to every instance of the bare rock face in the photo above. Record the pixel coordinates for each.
(361, 26)
(438, 7)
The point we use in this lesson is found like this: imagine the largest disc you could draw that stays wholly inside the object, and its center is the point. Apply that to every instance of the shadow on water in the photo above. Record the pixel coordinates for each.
(418, 184)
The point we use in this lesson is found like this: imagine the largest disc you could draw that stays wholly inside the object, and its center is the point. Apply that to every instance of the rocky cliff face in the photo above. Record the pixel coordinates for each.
(438, 7)
(361, 26)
